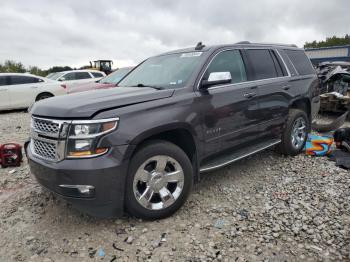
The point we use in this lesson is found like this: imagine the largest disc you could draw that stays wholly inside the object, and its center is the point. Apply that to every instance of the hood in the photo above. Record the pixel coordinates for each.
(87, 104)
(88, 86)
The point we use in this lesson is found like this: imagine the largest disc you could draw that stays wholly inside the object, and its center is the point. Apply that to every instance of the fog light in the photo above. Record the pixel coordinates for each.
(78, 190)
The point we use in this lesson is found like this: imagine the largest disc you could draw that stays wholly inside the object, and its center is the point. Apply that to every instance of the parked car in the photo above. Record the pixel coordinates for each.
(109, 81)
(72, 78)
(142, 145)
(19, 90)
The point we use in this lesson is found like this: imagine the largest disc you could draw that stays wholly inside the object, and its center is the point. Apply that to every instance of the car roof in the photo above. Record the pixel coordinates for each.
(243, 44)
(80, 70)
(19, 74)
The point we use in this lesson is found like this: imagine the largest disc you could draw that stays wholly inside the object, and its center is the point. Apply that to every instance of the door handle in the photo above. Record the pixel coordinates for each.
(249, 95)
(5, 89)
(286, 87)
(33, 87)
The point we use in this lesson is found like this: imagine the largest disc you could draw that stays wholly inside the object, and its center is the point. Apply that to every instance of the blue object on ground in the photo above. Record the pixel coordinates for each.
(101, 252)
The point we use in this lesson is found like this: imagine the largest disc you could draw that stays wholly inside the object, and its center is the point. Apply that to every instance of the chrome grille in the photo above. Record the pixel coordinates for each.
(44, 149)
(46, 126)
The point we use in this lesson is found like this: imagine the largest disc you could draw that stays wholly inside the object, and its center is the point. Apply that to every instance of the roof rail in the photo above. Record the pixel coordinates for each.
(244, 42)
(247, 42)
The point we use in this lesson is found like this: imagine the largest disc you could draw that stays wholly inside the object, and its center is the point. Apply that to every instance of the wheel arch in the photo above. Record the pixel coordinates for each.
(302, 104)
(180, 134)
(43, 93)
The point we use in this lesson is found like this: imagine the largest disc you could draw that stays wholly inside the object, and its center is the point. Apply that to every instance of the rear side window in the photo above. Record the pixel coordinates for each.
(228, 61)
(300, 61)
(20, 80)
(68, 76)
(82, 75)
(281, 71)
(262, 63)
(3, 81)
(96, 74)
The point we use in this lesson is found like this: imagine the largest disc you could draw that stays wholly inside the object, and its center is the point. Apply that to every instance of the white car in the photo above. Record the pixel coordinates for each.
(76, 77)
(19, 90)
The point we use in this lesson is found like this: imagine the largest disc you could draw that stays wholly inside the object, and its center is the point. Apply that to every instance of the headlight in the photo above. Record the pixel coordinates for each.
(84, 135)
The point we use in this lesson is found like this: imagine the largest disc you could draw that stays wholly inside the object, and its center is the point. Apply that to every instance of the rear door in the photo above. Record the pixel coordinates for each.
(4, 93)
(272, 79)
(23, 90)
(229, 110)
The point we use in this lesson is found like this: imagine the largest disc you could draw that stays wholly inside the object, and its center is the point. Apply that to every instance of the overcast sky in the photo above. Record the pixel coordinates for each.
(48, 33)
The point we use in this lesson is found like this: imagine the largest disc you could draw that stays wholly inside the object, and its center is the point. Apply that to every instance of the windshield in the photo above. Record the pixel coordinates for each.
(116, 76)
(167, 71)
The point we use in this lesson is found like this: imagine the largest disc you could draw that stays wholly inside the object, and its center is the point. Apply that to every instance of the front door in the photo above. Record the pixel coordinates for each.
(230, 111)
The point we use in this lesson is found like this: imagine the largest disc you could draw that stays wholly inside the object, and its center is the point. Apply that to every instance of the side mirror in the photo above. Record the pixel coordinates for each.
(61, 79)
(217, 78)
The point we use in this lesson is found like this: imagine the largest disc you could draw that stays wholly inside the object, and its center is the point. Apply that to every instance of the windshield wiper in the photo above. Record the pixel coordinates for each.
(155, 87)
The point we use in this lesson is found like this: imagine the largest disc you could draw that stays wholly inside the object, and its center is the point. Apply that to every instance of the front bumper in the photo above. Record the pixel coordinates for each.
(105, 174)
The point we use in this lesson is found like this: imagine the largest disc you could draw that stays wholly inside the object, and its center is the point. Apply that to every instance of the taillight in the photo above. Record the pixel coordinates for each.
(64, 86)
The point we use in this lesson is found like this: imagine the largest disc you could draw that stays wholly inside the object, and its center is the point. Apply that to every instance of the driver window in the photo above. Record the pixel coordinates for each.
(228, 61)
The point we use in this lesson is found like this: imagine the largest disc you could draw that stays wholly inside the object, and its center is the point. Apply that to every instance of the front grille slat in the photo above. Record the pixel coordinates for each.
(46, 126)
(44, 149)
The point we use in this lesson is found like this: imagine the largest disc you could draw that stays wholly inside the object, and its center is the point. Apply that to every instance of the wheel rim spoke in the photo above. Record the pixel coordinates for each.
(167, 198)
(173, 176)
(145, 198)
(143, 175)
(161, 163)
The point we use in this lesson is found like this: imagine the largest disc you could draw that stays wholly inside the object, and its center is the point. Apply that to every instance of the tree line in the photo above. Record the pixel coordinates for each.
(330, 41)
(10, 66)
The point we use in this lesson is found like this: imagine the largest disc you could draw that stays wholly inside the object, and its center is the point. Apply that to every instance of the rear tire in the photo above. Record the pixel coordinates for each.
(43, 96)
(159, 180)
(295, 133)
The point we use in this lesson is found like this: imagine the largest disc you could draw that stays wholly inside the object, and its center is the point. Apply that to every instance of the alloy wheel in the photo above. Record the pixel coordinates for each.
(298, 134)
(158, 182)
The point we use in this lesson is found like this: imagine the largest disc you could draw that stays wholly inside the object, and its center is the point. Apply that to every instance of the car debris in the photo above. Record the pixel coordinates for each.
(334, 77)
(328, 127)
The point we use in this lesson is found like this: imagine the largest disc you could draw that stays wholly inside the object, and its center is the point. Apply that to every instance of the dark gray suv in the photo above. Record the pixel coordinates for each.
(141, 145)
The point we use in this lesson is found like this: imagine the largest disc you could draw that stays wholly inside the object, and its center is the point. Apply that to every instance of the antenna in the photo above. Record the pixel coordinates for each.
(199, 46)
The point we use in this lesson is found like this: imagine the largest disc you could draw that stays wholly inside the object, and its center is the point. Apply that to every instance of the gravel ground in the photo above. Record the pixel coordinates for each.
(264, 208)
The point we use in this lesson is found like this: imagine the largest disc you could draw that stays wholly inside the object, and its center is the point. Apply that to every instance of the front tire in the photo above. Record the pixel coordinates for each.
(159, 180)
(295, 133)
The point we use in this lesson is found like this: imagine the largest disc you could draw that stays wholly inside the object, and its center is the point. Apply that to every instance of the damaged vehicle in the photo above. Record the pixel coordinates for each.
(334, 77)
(141, 146)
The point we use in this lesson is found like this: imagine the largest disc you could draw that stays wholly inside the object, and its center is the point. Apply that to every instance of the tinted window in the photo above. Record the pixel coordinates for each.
(278, 65)
(95, 74)
(19, 80)
(300, 61)
(228, 61)
(3, 80)
(69, 76)
(287, 62)
(82, 75)
(262, 63)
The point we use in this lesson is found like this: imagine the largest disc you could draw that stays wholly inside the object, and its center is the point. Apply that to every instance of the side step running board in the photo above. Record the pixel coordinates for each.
(236, 155)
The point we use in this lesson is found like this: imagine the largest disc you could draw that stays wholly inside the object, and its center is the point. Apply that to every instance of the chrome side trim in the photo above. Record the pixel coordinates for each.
(239, 158)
